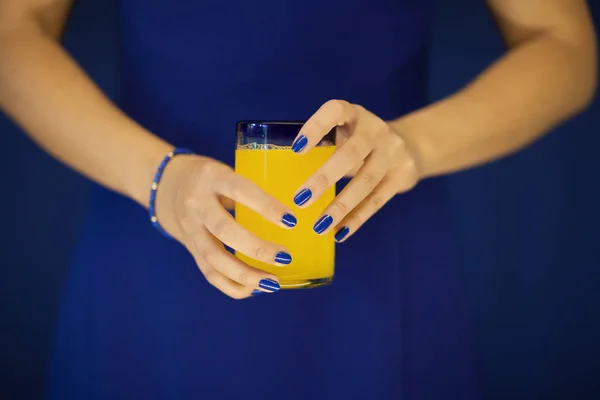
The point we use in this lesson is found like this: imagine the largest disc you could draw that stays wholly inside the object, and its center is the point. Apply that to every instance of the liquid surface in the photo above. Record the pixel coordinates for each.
(281, 172)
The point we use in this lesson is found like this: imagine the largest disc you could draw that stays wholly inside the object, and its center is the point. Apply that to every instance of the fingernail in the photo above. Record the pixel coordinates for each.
(256, 292)
(289, 220)
(283, 258)
(323, 223)
(341, 234)
(269, 284)
(302, 197)
(299, 144)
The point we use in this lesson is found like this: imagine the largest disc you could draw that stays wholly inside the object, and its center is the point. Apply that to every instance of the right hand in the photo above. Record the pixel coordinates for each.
(190, 206)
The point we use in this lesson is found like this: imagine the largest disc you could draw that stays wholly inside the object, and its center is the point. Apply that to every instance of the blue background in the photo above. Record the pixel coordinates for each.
(529, 225)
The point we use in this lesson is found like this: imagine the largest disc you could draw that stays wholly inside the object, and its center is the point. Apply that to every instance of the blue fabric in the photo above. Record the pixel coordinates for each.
(138, 318)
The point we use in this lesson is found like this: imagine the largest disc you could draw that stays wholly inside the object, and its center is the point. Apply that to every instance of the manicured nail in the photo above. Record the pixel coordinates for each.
(299, 144)
(283, 258)
(269, 284)
(289, 220)
(323, 223)
(341, 234)
(302, 197)
(256, 292)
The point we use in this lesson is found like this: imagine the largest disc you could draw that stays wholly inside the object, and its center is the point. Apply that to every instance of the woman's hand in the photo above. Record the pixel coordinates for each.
(190, 206)
(367, 144)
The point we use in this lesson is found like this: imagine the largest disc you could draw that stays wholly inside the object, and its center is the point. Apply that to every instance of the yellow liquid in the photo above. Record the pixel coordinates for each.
(280, 172)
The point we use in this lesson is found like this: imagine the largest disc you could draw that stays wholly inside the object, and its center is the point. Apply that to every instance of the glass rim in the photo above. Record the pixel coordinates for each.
(279, 130)
(271, 122)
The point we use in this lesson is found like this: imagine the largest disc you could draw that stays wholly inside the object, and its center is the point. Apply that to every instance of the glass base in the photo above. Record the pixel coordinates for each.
(304, 283)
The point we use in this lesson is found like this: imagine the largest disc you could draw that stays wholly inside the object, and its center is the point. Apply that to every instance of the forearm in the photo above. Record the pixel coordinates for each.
(62, 110)
(534, 87)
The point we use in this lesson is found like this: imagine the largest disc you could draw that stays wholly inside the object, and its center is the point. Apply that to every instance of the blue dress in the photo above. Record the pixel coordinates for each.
(138, 319)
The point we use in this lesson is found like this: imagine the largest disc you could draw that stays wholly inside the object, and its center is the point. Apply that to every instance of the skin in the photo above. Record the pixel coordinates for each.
(547, 75)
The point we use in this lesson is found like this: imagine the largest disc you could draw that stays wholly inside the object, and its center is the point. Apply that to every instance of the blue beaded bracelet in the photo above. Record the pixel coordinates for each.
(154, 188)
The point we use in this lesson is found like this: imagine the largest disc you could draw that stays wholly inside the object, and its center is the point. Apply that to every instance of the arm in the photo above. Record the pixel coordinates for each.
(61, 109)
(52, 99)
(548, 75)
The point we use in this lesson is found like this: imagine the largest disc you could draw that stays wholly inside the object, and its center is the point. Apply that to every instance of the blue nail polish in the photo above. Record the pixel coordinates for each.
(302, 197)
(299, 144)
(283, 258)
(323, 223)
(341, 234)
(269, 284)
(256, 292)
(289, 220)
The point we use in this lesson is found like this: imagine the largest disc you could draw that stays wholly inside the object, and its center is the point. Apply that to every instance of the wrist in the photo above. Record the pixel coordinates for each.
(140, 179)
(417, 145)
(431, 133)
(168, 182)
(178, 171)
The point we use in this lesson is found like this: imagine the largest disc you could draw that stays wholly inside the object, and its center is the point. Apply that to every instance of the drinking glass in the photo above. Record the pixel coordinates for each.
(264, 155)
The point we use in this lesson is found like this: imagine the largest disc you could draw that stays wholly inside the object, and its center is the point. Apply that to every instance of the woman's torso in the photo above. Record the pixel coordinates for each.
(192, 69)
(138, 316)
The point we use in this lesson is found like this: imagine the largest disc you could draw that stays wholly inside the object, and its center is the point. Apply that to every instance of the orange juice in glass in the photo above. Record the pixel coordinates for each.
(264, 155)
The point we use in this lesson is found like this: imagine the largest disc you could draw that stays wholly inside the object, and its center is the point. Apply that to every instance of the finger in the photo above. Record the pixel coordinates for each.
(229, 287)
(226, 285)
(358, 189)
(246, 192)
(344, 160)
(214, 277)
(331, 114)
(224, 227)
(365, 210)
(212, 252)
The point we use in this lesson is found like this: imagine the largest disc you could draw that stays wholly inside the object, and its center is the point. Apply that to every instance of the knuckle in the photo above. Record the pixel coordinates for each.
(207, 256)
(210, 170)
(236, 189)
(369, 179)
(352, 152)
(335, 105)
(354, 110)
(377, 133)
(396, 143)
(377, 202)
(356, 107)
(408, 177)
(337, 108)
(188, 225)
(341, 207)
(204, 212)
(411, 168)
(262, 253)
(271, 208)
(317, 123)
(190, 202)
(321, 180)
(406, 185)
(210, 275)
(380, 126)
(358, 219)
(243, 277)
(206, 170)
(224, 229)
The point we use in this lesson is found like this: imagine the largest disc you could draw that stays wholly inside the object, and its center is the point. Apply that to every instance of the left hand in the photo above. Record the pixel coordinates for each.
(385, 166)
